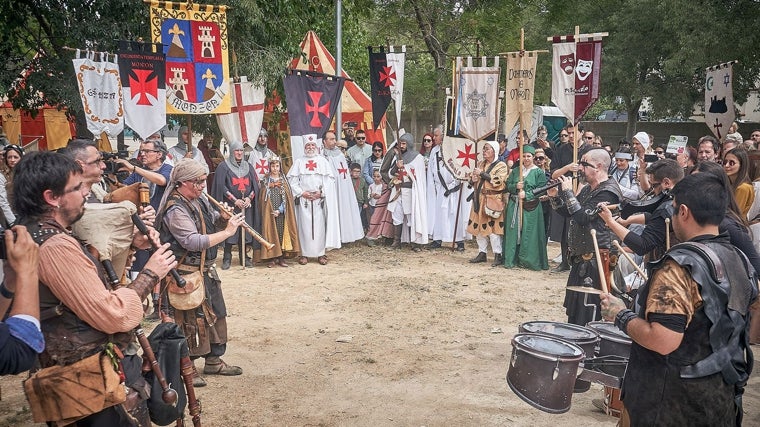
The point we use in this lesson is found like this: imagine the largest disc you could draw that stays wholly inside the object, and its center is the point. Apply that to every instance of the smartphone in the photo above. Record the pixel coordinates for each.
(651, 158)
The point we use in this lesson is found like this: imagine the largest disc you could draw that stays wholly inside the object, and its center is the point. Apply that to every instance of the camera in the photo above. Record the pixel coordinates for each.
(651, 158)
(112, 167)
(3, 252)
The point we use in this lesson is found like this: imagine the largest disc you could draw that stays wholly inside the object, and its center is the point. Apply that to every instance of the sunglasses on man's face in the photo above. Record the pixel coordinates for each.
(361, 138)
(539, 158)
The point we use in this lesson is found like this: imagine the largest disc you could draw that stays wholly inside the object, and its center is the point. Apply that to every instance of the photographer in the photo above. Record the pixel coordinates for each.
(85, 153)
(154, 171)
(20, 335)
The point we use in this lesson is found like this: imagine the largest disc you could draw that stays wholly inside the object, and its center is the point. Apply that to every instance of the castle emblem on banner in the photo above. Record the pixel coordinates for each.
(195, 44)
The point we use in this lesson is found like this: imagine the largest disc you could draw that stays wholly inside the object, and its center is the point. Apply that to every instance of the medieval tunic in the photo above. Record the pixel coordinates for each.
(351, 228)
(178, 152)
(481, 224)
(682, 297)
(582, 308)
(318, 224)
(240, 181)
(259, 160)
(275, 195)
(407, 201)
(447, 201)
(529, 249)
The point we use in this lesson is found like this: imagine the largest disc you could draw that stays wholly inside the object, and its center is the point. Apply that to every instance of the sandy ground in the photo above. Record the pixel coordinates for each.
(428, 344)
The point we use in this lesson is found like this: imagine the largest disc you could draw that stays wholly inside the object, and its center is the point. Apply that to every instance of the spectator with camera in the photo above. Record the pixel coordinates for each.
(20, 335)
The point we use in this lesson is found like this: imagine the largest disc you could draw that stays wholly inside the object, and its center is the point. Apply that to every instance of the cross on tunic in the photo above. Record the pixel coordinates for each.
(342, 170)
(241, 109)
(241, 183)
(311, 165)
(262, 167)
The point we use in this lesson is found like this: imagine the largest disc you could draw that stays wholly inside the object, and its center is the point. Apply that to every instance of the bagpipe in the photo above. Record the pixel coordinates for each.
(109, 229)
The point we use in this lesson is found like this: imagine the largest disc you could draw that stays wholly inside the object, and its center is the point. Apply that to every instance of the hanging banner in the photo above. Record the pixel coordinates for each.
(312, 102)
(719, 99)
(576, 70)
(387, 81)
(518, 104)
(478, 99)
(247, 113)
(99, 87)
(397, 62)
(142, 70)
(195, 44)
(460, 155)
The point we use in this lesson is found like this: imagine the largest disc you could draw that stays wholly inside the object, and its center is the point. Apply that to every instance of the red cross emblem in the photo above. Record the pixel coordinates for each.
(386, 74)
(311, 165)
(467, 154)
(241, 183)
(315, 109)
(262, 166)
(342, 170)
(143, 85)
(241, 109)
(401, 173)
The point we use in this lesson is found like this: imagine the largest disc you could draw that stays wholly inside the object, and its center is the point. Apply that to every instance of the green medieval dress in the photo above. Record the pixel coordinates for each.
(530, 251)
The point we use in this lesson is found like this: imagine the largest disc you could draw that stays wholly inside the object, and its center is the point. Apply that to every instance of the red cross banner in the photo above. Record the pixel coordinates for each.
(576, 71)
(312, 102)
(99, 87)
(142, 67)
(460, 155)
(477, 99)
(194, 37)
(387, 81)
(719, 99)
(243, 123)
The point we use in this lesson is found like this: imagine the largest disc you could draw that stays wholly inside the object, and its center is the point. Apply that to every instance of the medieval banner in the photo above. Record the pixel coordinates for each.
(312, 102)
(142, 70)
(460, 155)
(100, 90)
(477, 100)
(387, 81)
(247, 113)
(195, 44)
(719, 99)
(521, 73)
(576, 69)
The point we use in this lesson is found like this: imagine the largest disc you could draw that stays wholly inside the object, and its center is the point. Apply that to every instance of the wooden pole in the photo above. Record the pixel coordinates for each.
(599, 263)
(519, 160)
(575, 124)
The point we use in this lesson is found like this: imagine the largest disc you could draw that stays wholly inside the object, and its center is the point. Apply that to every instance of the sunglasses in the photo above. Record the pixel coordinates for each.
(659, 152)
(361, 138)
(731, 162)
(588, 137)
(427, 140)
(586, 164)
(537, 158)
(377, 150)
(149, 151)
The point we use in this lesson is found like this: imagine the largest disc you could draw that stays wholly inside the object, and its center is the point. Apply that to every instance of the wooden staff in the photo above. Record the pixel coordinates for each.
(628, 257)
(599, 263)
(667, 234)
(169, 395)
(224, 209)
(193, 405)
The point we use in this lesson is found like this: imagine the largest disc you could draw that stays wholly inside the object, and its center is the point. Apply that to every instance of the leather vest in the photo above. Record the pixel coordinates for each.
(579, 237)
(192, 258)
(68, 339)
(713, 362)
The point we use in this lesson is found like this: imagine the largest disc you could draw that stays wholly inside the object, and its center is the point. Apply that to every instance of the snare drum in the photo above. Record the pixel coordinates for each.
(614, 346)
(585, 338)
(542, 371)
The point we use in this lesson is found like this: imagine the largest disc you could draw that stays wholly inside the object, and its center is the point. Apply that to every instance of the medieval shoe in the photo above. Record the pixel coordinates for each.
(460, 247)
(226, 262)
(271, 264)
(248, 263)
(498, 259)
(282, 262)
(435, 244)
(560, 268)
(303, 260)
(198, 380)
(221, 368)
(480, 257)
(322, 260)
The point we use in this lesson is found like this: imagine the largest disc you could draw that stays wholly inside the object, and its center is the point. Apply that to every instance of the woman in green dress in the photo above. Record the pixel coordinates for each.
(525, 241)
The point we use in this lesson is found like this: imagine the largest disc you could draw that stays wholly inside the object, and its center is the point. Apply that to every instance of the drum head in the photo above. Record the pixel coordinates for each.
(567, 331)
(552, 347)
(609, 331)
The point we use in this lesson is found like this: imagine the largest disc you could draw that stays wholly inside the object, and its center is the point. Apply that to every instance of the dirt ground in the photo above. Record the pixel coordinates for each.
(379, 338)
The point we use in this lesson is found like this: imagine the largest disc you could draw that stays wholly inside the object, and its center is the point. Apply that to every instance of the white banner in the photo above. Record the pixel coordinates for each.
(398, 62)
(247, 113)
(563, 78)
(100, 90)
(719, 99)
(478, 99)
(521, 72)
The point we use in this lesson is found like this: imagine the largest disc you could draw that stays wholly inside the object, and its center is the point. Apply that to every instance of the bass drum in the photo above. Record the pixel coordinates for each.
(585, 338)
(614, 347)
(542, 371)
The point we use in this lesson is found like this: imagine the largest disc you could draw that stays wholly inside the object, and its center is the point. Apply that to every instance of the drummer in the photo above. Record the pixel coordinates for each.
(675, 376)
(582, 308)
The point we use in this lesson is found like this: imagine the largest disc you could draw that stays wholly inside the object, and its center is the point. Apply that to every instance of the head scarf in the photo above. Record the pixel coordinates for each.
(185, 170)
(528, 149)
(495, 146)
(643, 139)
(239, 169)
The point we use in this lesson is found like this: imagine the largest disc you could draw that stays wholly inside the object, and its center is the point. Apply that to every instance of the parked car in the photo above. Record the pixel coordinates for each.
(613, 116)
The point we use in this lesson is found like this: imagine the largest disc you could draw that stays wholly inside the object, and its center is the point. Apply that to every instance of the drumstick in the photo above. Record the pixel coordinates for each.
(628, 257)
(667, 234)
(599, 264)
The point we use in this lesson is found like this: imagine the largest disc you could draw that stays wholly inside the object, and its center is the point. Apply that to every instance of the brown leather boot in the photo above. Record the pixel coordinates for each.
(396, 237)
(480, 257)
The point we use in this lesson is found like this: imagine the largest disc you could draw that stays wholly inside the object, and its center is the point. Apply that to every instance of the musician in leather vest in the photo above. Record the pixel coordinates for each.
(582, 308)
(81, 315)
(664, 175)
(690, 356)
(187, 221)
